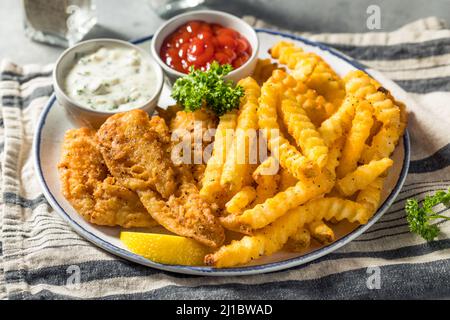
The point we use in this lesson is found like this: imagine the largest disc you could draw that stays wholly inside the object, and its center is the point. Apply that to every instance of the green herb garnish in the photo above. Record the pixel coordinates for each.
(209, 89)
(419, 218)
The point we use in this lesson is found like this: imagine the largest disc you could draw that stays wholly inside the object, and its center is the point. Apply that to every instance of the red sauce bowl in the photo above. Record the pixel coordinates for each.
(198, 43)
(200, 37)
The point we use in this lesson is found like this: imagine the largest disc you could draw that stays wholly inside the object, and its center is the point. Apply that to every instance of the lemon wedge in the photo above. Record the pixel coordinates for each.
(164, 248)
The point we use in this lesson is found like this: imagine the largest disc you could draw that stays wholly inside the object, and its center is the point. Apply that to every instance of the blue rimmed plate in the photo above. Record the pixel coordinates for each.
(54, 122)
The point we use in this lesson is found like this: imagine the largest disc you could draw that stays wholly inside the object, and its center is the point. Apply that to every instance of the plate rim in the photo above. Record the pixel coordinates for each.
(211, 271)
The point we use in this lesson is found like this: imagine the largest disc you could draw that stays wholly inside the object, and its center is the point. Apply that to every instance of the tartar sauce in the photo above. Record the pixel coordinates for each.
(111, 79)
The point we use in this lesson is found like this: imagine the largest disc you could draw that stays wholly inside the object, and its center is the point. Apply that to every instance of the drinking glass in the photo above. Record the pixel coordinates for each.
(58, 22)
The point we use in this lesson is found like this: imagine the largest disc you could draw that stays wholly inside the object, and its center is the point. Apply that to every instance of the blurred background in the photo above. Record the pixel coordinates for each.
(132, 19)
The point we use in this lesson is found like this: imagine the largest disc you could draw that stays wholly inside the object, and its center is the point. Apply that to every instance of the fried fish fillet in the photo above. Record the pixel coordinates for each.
(168, 113)
(86, 184)
(186, 214)
(197, 130)
(135, 153)
(136, 150)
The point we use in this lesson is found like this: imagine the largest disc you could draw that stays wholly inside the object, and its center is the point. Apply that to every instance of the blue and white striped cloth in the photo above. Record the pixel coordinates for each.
(37, 247)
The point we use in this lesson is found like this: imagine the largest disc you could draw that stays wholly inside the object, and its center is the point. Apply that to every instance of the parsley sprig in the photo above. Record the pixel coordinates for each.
(419, 218)
(208, 89)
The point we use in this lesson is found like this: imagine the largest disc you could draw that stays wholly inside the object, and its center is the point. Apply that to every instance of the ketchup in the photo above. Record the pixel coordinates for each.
(198, 43)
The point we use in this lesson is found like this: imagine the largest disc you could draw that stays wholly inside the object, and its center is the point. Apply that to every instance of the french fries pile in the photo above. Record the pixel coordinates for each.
(331, 138)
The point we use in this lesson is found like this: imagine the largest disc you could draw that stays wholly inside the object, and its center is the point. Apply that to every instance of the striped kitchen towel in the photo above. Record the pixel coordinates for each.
(38, 250)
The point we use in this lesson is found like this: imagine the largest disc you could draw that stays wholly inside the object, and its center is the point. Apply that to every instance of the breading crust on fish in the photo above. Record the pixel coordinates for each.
(136, 150)
(87, 185)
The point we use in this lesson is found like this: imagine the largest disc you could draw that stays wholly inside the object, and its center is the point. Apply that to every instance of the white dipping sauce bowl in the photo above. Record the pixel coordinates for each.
(83, 115)
(210, 16)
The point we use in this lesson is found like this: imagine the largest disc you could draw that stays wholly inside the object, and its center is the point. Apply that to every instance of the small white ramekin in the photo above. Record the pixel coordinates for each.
(81, 114)
(211, 16)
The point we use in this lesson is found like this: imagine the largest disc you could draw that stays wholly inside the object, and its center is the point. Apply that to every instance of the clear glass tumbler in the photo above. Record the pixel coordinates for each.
(58, 22)
(169, 8)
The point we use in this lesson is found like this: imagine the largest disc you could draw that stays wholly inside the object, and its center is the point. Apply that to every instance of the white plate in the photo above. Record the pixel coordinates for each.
(54, 122)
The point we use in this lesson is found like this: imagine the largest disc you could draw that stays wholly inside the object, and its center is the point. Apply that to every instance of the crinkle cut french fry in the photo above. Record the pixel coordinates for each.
(211, 188)
(387, 109)
(304, 190)
(238, 160)
(291, 159)
(376, 127)
(312, 70)
(361, 85)
(284, 51)
(321, 232)
(370, 196)
(340, 122)
(266, 188)
(286, 179)
(240, 200)
(362, 176)
(327, 83)
(390, 112)
(264, 242)
(273, 237)
(355, 142)
(299, 241)
(358, 84)
(267, 178)
(337, 209)
(382, 146)
(288, 156)
(403, 113)
(263, 70)
(384, 141)
(317, 108)
(265, 213)
(304, 132)
(384, 108)
(269, 167)
(334, 156)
